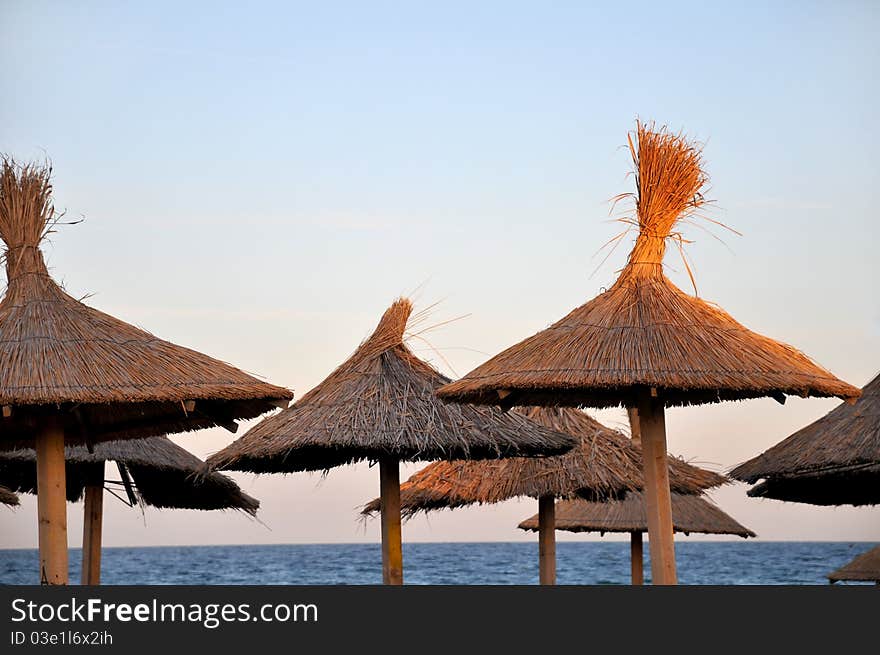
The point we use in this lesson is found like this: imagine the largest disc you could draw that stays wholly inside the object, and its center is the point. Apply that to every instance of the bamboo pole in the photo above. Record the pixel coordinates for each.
(389, 499)
(52, 505)
(636, 559)
(657, 498)
(636, 549)
(547, 540)
(93, 514)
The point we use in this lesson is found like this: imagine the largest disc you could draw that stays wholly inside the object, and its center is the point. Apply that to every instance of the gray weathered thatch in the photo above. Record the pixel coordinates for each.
(834, 460)
(103, 378)
(605, 465)
(644, 332)
(381, 403)
(164, 475)
(7, 497)
(864, 568)
(690, 514)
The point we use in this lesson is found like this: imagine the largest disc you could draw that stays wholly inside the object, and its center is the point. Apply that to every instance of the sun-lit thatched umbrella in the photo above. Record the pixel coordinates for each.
(690, 514)
(153, 471)
(380, 405)
(7, 497)
(834, 460)
(605, 465)
(645, 343)
(70, 374)
(864, 568)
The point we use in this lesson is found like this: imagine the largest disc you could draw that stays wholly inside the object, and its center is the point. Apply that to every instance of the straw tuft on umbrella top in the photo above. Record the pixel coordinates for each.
(381, 403)
(864, 568)
(690, 514)
(644, 332)
(834, 460)
(7, 497)
(103, 378)
(162, 475)
(604, 465)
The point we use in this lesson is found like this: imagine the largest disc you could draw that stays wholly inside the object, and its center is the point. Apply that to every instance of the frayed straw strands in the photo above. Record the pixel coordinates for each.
(834, 460)
(380, 405)
(690, 514)
(104, 378)
(645, 343)
(7, 497)
(864, 568)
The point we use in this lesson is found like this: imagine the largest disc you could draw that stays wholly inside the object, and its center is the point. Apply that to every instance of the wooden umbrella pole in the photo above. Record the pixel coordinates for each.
(658, 502)
(637, 561)
(636, 550)
(389, 494)
(52, 505)
(92, 524)
(547, 540)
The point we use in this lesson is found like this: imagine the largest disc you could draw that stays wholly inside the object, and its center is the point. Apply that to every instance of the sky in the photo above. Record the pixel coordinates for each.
(259, 181)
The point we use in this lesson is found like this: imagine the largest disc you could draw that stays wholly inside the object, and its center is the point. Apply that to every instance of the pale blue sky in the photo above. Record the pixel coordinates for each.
(259, 181)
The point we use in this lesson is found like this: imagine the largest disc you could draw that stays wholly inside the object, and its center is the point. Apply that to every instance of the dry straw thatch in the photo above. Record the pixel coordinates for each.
(864, 568)
(644, 332)
(380, 403)
(106, 379)
(605, 465)
(833, 461)
(164, 475)
(7, 497)
(690, 514)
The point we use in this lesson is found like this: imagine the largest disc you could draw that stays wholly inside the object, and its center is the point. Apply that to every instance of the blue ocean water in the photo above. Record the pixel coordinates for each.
(589, 562)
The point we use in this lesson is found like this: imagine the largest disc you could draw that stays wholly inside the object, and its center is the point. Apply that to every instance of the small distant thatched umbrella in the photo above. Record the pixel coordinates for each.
(153, 471)
(604, 466)
(864, 568)
(73, 375)
(380, 405)
(690, 513)
(7, 497)
(645, 343)
(835, 460)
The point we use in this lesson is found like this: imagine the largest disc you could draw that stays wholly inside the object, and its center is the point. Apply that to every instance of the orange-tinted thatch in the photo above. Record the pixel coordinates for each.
(832, 461)
(381, 403)
(644, 332)
(690, 513)
(605, 465)
(104, 378)
(864, 568)
(163, 474)
(7, 497)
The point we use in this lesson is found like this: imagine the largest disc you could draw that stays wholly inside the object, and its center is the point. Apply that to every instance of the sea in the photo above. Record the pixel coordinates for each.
(578, 563)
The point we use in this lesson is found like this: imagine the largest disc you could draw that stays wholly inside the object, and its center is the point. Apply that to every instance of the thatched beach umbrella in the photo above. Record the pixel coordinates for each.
(834, 460)
(690, 514)
(7, 497)
(645, 343)
(153, 471)
(71, 374)
(864, 568)
(604, 465)
(380, 405)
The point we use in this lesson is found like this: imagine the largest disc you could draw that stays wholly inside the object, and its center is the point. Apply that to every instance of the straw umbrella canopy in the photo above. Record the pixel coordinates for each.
(7, 497)
(864, 568)
(380, 405)
(645, 343)
(834, 460)
(71, 374)
(153, 472)
(690, 514)
(605, 465)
